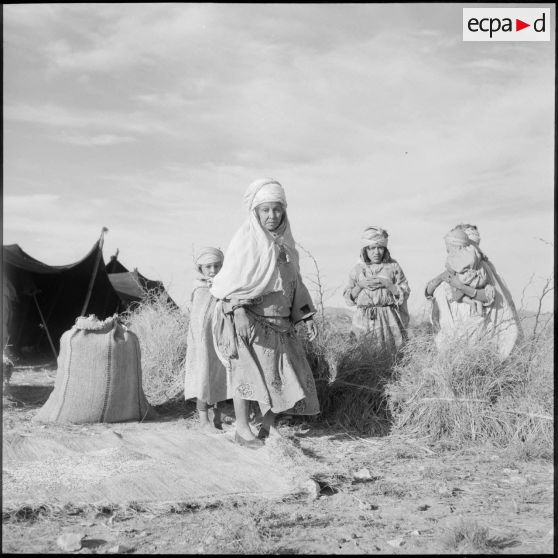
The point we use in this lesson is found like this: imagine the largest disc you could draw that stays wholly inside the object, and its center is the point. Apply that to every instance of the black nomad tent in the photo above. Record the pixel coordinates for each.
(40, 301)
(132, 286)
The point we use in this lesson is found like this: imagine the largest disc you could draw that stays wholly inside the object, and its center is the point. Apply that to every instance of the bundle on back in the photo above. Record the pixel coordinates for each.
(99, 376)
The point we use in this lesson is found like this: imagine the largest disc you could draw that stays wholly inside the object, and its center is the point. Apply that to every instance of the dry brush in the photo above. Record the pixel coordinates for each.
(161, 328)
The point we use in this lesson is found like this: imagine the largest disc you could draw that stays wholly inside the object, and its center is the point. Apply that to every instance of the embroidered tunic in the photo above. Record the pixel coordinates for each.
(379, 314)
(272, 369)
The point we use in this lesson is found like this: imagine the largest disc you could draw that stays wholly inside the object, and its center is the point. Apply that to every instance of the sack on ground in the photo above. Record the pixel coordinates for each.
(99, 376)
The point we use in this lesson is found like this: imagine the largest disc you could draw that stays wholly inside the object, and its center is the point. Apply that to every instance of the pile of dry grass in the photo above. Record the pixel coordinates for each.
(466, 394)
(161, 329)
(524, 414)
(351, 375)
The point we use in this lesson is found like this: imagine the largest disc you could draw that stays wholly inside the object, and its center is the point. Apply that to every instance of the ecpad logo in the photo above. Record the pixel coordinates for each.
(506, 24)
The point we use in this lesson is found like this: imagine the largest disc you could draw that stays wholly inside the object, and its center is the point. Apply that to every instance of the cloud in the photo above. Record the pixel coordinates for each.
(14, 203)
(494, 208)
(33, 16)
(231, 91)
(53, 115)
(166, 100)
(34, 213)
(138, 34)
(93, 141)
(118, 37)
(490, 65)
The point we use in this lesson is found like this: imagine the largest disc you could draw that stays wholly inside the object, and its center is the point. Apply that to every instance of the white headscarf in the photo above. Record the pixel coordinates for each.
(250, 266)
(209, 255)
(471, 231)
(206, 256)
(374, 236)
(455, 239)
(264, 190)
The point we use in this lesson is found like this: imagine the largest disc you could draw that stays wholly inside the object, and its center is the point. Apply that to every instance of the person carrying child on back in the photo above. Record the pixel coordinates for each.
(470, 301)
(464, 261)
(205, 378)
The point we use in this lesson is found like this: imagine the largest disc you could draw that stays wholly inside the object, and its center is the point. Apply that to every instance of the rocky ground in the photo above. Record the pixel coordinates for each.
(389, 495)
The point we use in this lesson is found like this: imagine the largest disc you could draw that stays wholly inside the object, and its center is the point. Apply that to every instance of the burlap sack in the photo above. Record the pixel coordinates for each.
(98, 377)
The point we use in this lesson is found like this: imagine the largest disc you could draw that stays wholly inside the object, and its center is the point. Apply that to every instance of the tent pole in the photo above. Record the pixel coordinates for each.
(45, 326)
(95, 269)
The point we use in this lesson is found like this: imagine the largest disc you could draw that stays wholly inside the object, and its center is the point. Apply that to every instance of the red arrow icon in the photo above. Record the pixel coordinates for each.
(519, 25)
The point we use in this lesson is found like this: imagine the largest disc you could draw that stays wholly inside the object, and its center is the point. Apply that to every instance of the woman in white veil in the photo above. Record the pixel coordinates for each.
(261, 297)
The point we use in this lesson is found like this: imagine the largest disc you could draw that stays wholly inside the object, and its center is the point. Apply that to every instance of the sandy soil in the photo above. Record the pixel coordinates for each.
(389, 495)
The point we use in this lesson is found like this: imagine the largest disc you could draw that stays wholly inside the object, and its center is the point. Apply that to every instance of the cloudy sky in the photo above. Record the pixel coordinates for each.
(152, 119)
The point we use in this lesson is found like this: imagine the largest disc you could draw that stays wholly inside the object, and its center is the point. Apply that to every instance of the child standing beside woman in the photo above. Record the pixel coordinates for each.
(205, 377)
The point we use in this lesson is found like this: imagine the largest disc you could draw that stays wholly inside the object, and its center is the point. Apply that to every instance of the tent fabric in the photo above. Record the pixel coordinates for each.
(13, 255)
(114, 266)
(58, 291)
(99, 376)
(132, 286)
